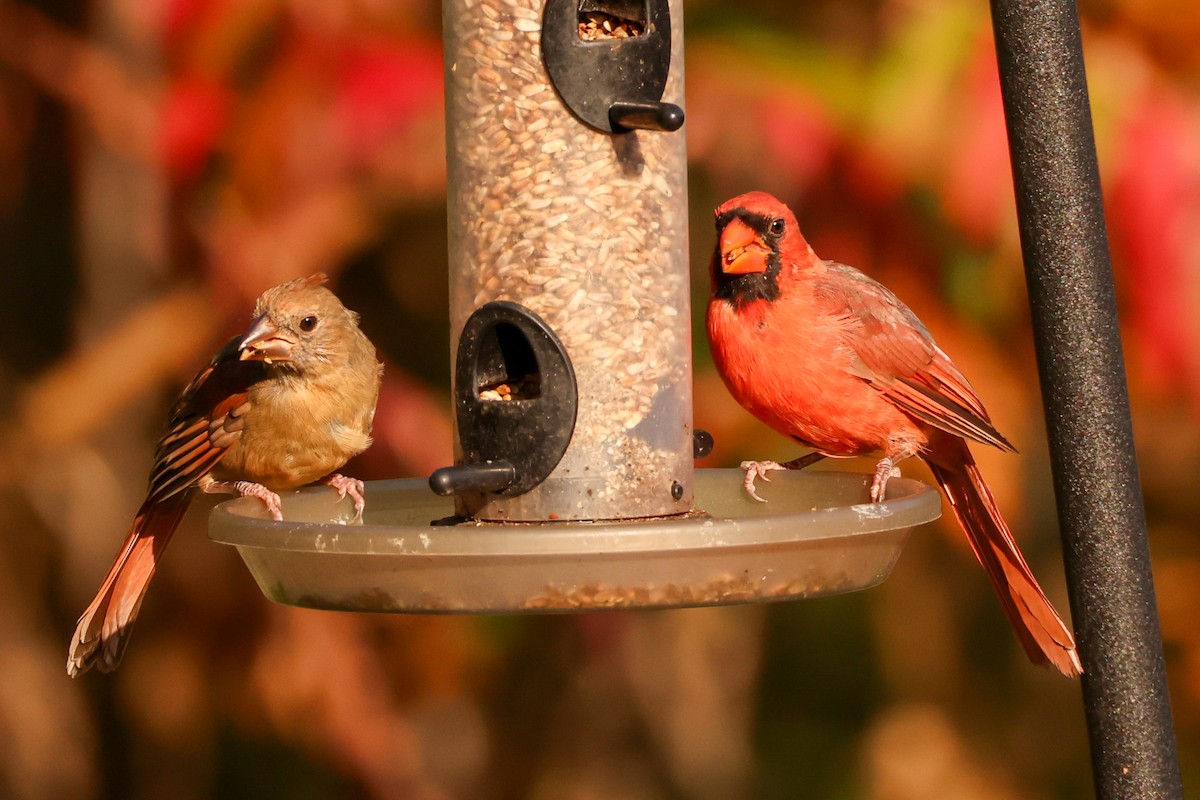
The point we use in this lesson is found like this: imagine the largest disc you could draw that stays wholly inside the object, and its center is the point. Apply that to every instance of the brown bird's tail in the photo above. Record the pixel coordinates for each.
(103, 631)
(1042, 632)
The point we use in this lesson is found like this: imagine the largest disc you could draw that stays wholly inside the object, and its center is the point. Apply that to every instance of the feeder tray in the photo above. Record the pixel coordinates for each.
(815, 536)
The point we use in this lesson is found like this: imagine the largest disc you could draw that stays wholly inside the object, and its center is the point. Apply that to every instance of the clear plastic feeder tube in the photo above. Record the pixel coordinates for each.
(588, 230)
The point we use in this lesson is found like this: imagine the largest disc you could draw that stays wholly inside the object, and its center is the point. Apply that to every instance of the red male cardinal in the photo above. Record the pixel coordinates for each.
(831, 358)
(285, 404)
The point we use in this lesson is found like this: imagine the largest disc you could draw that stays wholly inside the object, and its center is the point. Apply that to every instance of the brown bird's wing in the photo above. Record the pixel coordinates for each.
(208, 418)
(896, 354)
(204, 423)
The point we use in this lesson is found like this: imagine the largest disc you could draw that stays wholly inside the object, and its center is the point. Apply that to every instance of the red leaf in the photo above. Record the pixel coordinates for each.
(382, 86)
(194, 114)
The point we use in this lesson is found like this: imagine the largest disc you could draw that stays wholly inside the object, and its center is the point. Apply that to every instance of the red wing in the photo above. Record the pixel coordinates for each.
(204, 423)
(895, 354)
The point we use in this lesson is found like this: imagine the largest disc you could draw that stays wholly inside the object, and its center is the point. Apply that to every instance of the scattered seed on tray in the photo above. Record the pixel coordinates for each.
(721, 589)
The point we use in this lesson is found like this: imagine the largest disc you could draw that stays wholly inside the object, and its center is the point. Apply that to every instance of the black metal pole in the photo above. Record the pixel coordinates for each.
(1065, 246)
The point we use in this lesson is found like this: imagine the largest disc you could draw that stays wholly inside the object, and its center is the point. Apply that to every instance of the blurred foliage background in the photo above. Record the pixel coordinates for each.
(163, 161)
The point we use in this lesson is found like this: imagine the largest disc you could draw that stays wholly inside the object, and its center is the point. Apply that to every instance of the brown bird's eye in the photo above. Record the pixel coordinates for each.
(777, 226)
(308, 323)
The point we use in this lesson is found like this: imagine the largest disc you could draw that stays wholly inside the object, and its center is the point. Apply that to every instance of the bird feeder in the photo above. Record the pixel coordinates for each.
(573, 484)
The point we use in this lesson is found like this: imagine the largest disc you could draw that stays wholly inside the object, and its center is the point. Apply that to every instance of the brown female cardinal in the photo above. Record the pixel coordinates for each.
(285, 404)
(831, 358)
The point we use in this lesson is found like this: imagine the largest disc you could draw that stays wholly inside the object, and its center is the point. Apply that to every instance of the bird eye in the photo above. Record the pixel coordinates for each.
(308, 323)
(777, 226)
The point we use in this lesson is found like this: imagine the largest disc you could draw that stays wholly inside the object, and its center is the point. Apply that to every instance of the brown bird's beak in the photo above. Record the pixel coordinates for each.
(742, 251)
(263, 342)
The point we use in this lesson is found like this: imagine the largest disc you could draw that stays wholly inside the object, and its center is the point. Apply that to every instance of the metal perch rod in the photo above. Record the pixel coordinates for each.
(1065, 245)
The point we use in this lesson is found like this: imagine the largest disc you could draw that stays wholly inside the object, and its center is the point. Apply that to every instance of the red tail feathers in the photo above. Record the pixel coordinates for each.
(1042, 632)
(103, 631)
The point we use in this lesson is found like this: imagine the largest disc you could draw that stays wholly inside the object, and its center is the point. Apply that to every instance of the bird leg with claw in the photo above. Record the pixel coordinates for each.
(759, 469)
(209, 485)
(885, 470)
(348, 486)
(889, 466)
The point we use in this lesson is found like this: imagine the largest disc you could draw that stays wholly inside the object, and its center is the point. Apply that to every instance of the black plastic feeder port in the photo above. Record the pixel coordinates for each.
(515, 402)
(609, 61)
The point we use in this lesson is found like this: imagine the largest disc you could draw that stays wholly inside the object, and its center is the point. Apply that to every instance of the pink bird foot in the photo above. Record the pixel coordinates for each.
(348, 486)
(885, 470)
(246, 489)
(756, 470)
(759, 469)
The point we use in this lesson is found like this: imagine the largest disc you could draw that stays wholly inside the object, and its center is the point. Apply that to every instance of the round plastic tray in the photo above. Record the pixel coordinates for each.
(815, 536)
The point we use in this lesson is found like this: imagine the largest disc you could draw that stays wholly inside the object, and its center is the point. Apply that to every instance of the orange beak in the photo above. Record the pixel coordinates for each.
(742, 251)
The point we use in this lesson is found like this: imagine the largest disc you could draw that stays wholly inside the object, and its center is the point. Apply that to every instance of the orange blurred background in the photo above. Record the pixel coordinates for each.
(164, 161)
